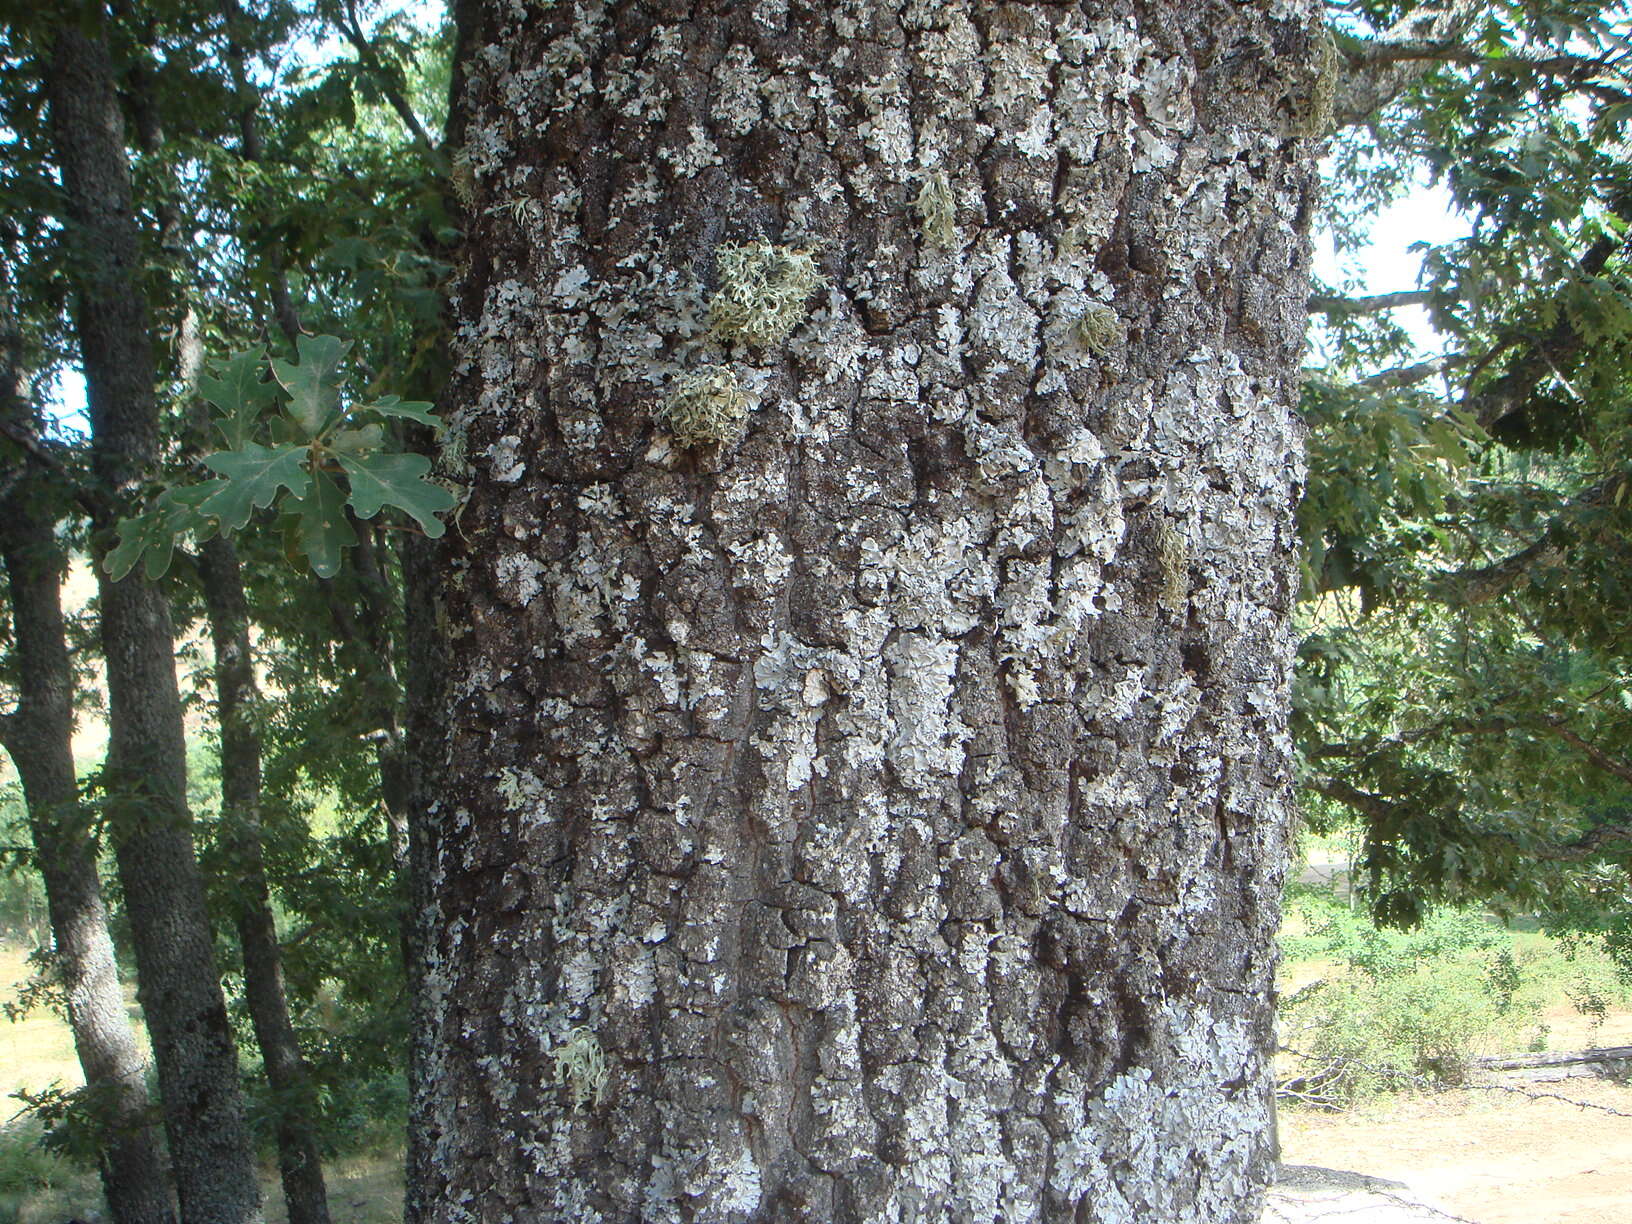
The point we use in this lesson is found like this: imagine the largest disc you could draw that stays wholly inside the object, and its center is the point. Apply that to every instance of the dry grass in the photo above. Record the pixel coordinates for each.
(35, 1188)
(38, 1050)
(363, 1189)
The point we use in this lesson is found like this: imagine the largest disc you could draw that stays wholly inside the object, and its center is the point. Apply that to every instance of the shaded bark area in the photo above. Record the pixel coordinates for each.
(878, 815)
(237, 700)
(38, 736)
(180, 991)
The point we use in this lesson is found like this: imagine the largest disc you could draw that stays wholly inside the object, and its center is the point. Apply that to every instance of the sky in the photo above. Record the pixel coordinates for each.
(1389, 263)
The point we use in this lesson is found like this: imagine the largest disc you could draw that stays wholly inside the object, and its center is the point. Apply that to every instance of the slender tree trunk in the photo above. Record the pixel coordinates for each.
(878, 814)
(210, 1150)
(38, 736)
(237, 700)
(382, 693)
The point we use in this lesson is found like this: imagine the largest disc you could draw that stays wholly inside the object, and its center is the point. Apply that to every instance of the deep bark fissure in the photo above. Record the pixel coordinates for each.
(859, 789)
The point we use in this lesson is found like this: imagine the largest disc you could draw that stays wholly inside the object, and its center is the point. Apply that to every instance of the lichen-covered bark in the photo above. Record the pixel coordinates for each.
(878, 817)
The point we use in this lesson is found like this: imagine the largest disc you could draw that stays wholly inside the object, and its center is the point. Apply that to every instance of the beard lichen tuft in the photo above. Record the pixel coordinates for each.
(1320, 107)
(462, 177)
(706, 406)
(762, 292)
(937, 210)
(1099, 329)
(581, 1066)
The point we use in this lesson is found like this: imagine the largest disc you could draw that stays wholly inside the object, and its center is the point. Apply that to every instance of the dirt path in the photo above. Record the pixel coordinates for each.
(1309, 1194)
(1490, 1157)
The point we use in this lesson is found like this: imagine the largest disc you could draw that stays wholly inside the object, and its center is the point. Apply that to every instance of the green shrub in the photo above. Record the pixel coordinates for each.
(26, 1164)
(1361, 1033)
(1404, 1009)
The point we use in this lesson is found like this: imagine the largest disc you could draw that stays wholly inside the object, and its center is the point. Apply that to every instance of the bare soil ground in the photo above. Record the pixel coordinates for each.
(1490, 1156)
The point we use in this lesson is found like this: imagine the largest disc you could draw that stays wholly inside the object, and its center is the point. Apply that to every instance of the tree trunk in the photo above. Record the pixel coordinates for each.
(38, 736)
(237, 699)
(878, 813)
(146, 779)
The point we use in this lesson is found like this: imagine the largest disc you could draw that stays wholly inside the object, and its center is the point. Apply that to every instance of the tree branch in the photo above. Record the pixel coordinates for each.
(1361, 752)
(1593, 753)
(370, 60)
(1369, 85)
(1480, 584)
(1379, 808)
(1361, 53)
(100, 511)
(1374, 807)
(1408, 376)
(249, 135)
(1331, 304)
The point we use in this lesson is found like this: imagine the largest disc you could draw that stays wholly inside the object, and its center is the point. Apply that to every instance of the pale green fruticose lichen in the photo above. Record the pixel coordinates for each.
(462, 174)
(1099, 329)
(1174, 556)
(1072, 239)
(762, 292)
(936, 209)
(580, 1064)
(706, 406)
(1317, 120)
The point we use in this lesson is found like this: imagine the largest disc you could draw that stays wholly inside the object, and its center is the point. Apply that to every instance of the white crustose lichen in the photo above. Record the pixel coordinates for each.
(762, 292)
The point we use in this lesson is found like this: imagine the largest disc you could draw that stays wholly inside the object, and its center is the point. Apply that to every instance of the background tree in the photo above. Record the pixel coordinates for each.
(37, 735)
(180, 68)
(145, 774)
(1462, 688)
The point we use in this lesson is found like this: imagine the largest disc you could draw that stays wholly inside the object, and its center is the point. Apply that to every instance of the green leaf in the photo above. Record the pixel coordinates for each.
(324, 532)
(241, 394)
(254, 474)
(151, 535)
(381, 480)
(1447, 443)
(185, 507)
(396, 406)
(143, 533)
(367, 438)
(314, 382)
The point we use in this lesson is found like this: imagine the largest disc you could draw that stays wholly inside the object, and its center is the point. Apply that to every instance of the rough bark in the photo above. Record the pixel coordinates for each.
(38, 736)
(881, 816)
(237, 699)
(145, 772)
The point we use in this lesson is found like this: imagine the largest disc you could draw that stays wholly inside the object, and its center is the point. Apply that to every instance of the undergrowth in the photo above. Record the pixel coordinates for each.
(1383, 1011)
